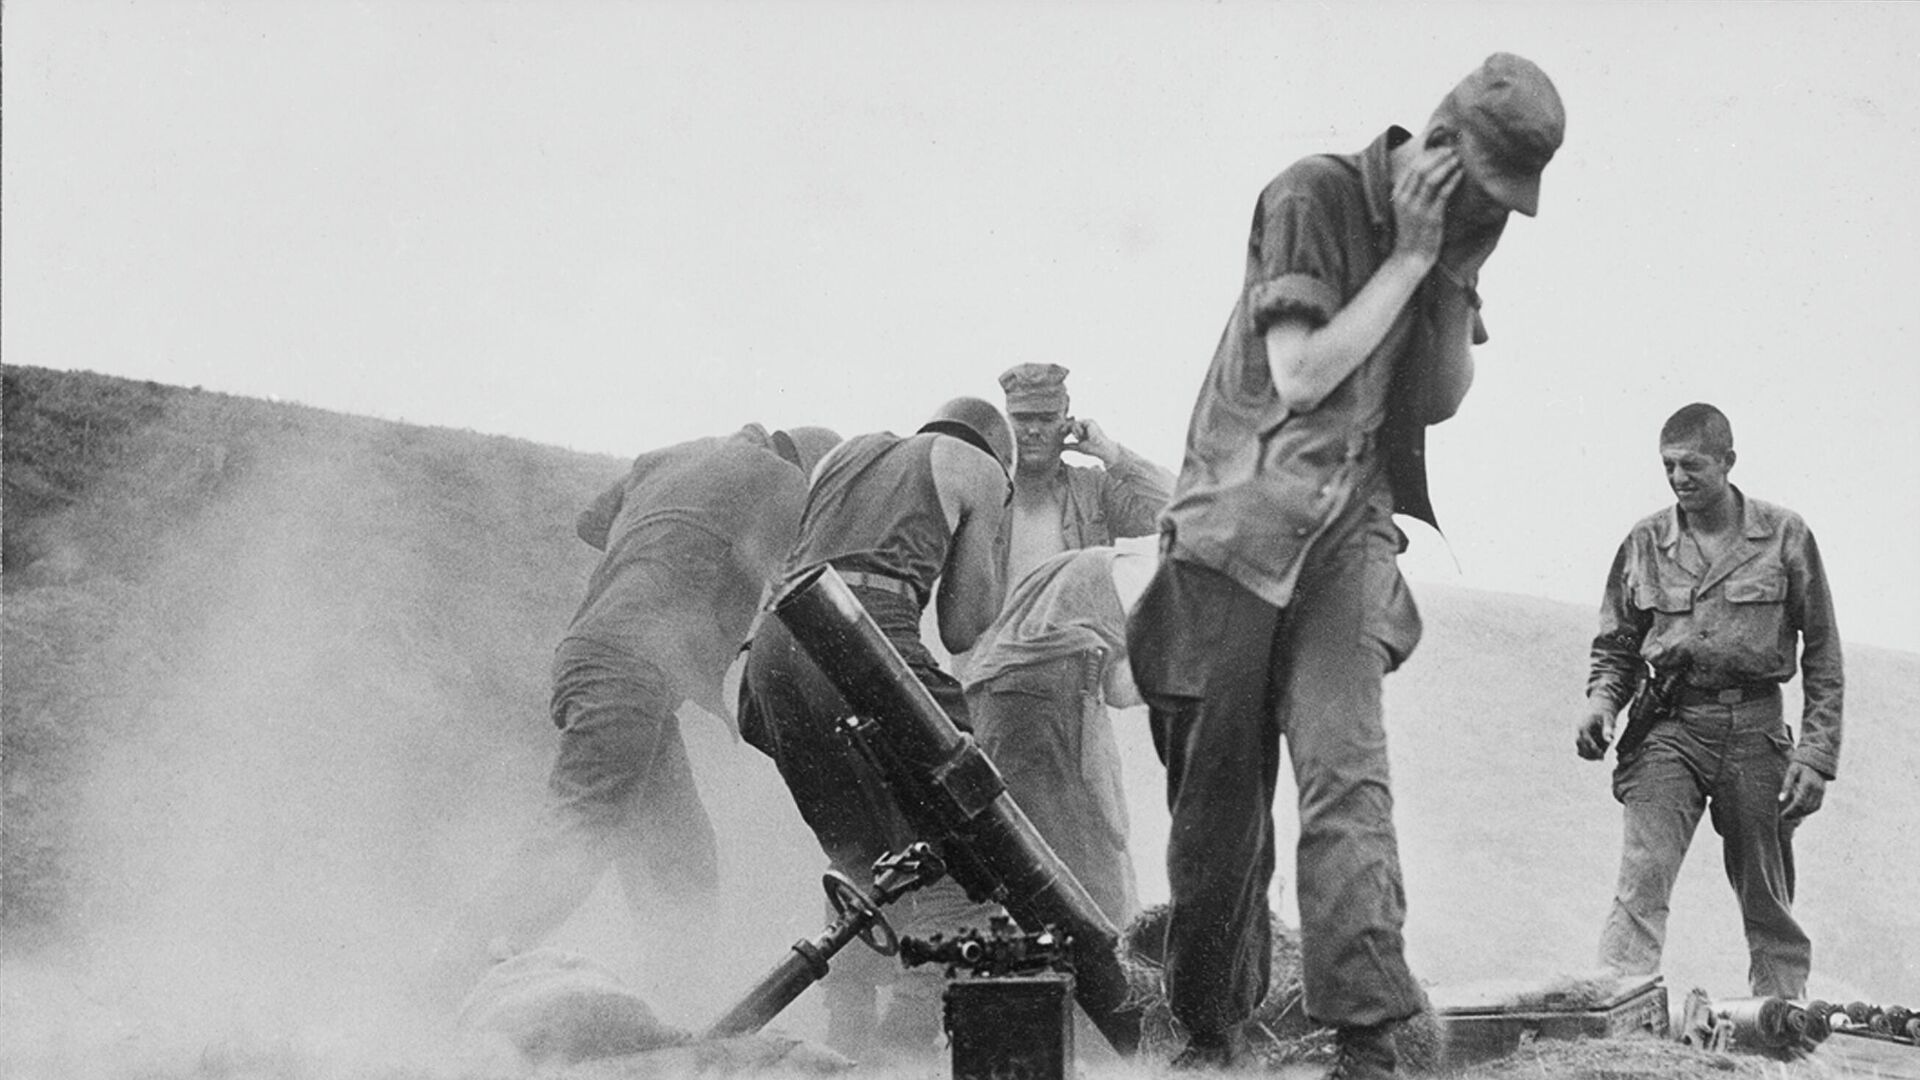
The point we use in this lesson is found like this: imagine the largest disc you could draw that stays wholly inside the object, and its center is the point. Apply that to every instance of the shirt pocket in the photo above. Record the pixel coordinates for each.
(1664, 599)
(1767, 587)
(1756, 639)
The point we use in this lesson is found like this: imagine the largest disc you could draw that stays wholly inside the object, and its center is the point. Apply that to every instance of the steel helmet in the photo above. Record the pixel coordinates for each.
(977, 422)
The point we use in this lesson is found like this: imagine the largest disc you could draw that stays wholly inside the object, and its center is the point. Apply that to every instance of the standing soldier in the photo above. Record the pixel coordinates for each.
(1713, 594)
(1038, 688)
(1278, 606)
(1059, 507)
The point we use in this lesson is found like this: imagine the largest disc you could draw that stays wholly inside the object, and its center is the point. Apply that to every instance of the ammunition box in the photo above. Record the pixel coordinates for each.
(1011, 1027)
(1484, 1021)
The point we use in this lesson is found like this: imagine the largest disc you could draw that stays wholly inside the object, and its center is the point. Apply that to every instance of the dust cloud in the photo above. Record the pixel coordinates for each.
(341, 730)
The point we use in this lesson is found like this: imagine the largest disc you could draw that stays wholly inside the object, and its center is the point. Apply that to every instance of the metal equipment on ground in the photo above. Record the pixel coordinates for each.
(857, 915)
(954, 797)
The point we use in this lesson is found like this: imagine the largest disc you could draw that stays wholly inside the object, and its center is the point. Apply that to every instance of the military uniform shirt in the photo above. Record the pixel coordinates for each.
(1735, 621)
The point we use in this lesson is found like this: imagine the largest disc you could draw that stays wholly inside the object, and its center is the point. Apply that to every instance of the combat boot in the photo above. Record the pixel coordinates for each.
(1365, 1053)
(1211, 1051)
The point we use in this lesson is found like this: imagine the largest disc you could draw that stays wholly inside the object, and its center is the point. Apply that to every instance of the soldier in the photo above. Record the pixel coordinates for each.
(691, 536)
(1059, 507)
(1718, 588)
(901, 520)
(1278, 606)
(1038, 689)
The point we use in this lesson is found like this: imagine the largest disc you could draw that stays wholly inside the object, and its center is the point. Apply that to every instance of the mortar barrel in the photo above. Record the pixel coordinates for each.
(952, 794)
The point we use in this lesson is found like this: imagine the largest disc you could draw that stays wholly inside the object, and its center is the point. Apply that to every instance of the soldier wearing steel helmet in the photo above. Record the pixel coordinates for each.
(906, 521)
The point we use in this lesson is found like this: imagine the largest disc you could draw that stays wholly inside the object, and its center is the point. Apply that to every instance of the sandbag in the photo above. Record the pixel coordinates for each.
(557, 1005)
(564, 1010)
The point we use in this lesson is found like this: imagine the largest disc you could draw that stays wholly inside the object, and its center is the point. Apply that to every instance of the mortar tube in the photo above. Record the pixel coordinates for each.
(952, 794)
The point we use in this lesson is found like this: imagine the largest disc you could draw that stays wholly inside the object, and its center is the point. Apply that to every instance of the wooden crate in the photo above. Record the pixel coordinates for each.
(1483, 1021)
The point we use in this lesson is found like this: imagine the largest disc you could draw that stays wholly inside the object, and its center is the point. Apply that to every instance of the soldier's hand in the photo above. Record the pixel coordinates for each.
(1593, 733)
(1090, 440)
(1802, 792)
(1420, 202)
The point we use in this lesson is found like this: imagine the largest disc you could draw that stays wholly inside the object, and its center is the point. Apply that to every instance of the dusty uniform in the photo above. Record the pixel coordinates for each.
(1105, 504)
(1038, 704)
(1035, 688)
(1737, 623)
(1277, 610)
(687, 533)
(691, 534)
(874, 514)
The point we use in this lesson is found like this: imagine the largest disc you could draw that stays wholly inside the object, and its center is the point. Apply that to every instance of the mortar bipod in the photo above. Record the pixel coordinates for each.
(856, 915)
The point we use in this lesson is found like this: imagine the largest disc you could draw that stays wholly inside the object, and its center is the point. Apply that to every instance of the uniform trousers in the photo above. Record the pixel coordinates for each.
(791, 712)
(1227, 676)
(621, 794)
(1046, 728)
(1727, 762)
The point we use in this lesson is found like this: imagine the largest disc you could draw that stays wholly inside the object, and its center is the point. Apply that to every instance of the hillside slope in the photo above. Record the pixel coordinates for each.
(274, 700)
(246, 623)
(275, 687)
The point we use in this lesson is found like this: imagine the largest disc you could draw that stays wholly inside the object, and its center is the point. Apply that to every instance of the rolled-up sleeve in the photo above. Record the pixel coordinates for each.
(1134, 490)
(1616, 667)
(1297, 259)
(1822, 681)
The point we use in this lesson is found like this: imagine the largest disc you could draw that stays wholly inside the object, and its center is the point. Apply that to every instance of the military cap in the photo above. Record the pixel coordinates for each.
(1035, 388)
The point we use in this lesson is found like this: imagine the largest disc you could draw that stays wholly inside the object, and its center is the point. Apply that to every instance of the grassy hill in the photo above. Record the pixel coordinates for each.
(275, 700)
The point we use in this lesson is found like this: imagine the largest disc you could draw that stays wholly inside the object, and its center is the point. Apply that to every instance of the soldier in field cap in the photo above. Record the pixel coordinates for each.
(1278, 606)
(1059, 507)
(1510, 123)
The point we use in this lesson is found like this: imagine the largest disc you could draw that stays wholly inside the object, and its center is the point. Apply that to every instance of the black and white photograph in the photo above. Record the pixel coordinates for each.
(655, 540)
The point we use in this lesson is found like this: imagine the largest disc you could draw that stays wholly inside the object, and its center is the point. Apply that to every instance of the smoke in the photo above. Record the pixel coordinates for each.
(243, 828)
(337, 729)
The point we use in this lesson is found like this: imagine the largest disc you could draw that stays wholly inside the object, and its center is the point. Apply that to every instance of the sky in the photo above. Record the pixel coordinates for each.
(612, 226)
